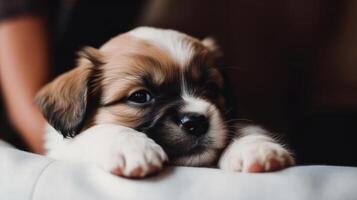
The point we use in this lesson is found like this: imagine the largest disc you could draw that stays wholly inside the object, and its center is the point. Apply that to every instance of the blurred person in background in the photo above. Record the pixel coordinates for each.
(24, 65)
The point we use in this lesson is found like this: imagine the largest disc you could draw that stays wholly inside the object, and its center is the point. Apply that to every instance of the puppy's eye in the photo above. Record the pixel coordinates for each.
(140, 97)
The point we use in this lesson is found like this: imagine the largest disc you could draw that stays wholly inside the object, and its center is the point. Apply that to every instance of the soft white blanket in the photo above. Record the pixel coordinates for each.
(27, 176)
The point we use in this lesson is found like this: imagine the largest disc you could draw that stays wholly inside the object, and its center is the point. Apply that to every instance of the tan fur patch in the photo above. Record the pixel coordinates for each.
(127, 59)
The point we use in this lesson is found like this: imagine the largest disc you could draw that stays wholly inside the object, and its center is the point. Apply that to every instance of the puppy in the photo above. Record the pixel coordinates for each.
(146, 97)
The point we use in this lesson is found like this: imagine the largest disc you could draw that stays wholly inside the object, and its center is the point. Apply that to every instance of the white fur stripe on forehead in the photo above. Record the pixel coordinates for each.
(171, 41)
(195, 105)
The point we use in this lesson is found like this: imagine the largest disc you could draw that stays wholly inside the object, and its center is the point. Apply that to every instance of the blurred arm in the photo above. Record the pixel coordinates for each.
(23, 70)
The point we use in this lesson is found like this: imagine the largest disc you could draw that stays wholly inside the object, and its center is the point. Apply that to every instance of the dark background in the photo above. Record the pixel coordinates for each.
(291, 65)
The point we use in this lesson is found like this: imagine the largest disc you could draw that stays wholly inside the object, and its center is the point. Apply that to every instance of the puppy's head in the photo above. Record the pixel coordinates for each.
(160, 82)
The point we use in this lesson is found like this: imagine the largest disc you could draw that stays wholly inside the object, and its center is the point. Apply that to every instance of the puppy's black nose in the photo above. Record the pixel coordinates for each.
(194, 123)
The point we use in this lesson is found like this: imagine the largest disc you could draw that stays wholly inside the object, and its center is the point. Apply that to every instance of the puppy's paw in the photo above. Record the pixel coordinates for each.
(120, 150)
(255, 156)
(138, 157)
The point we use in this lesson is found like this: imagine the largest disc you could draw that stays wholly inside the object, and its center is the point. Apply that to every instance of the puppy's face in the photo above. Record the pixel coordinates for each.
(159, 82)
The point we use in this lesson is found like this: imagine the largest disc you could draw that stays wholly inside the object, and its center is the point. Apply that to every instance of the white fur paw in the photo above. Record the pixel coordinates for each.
(120, 150)
(137, 158)
(255, 156)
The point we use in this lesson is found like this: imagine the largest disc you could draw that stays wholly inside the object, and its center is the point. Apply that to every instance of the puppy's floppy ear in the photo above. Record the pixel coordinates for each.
(211, 44)
(64, 101)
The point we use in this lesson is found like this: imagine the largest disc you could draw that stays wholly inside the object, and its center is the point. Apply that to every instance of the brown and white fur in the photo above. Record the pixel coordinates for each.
(146, 97)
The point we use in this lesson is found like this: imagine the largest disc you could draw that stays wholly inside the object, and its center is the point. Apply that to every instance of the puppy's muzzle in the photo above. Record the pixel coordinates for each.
(193, 123)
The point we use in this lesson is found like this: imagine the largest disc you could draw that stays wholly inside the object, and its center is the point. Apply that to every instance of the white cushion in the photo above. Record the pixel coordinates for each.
(28, 176)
